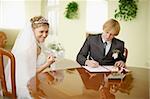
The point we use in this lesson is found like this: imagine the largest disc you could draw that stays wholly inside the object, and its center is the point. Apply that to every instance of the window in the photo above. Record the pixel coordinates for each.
(12, 13)
(53, 15)
(96, 15)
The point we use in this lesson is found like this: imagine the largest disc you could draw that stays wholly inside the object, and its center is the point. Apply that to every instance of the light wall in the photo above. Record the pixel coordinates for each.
(33, 8)
(135, 34)
(148, 33)
(72, 32)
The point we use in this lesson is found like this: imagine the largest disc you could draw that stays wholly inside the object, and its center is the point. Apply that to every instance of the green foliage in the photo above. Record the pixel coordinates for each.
(127, 10)
(71, 10)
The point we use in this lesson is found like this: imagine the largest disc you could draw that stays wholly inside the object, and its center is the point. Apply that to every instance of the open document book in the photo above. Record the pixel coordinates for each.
(103, 69)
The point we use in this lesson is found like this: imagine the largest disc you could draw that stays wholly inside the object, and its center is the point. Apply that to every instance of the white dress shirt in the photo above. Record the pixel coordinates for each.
(107, 46)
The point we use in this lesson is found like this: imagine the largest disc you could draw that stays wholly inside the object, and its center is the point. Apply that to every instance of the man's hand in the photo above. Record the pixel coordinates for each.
(120, 64)
(92, 63)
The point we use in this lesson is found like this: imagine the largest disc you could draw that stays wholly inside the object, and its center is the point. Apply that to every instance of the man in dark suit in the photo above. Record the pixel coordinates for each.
(103, 49)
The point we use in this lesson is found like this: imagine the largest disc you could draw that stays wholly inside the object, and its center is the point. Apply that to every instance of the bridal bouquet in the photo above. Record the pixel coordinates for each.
(56, 48)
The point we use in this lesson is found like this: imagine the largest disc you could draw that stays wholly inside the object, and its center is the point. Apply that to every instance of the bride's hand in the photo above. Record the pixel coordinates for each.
(50, 60)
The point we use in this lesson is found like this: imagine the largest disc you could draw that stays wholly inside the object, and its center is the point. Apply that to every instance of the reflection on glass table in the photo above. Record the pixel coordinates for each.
(78, 83)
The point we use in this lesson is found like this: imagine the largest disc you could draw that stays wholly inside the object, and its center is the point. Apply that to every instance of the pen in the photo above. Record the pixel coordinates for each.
(95, 62)
(91, 58)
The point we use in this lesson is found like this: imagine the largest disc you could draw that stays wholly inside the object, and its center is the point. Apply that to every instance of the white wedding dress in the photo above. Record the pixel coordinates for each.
(25, 52)
(41, 59)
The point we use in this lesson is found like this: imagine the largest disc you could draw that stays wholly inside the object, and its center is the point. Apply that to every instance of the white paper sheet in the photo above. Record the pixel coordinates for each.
(104, 68)
(96, 69)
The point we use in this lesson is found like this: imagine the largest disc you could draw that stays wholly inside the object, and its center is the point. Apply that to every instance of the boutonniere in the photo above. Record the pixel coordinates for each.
(115, 53)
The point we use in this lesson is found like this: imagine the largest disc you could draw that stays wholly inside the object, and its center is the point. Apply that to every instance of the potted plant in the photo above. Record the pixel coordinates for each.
(71, 10)
(127, 10)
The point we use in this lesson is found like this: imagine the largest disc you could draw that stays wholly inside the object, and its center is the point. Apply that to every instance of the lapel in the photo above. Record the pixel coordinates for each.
(101, 44)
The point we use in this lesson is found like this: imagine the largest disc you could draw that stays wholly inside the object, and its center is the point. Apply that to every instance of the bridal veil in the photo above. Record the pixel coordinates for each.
(25, 52)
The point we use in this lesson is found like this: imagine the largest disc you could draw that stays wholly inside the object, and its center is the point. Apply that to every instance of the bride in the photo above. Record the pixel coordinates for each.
(29, 55)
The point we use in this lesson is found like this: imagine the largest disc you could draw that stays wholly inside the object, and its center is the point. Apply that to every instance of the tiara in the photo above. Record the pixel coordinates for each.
(42, 20)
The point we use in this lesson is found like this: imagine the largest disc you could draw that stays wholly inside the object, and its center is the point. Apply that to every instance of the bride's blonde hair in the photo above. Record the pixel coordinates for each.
(38, 21)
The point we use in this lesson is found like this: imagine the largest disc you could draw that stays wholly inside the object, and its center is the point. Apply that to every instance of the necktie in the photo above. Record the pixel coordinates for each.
(105, 44)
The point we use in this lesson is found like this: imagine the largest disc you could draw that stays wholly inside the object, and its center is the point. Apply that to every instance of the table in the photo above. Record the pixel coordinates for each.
(78, 83)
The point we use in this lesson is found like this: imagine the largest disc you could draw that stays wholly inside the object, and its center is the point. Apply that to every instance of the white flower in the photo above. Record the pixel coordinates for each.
(55, 46)
(56, 49)
(115, 55)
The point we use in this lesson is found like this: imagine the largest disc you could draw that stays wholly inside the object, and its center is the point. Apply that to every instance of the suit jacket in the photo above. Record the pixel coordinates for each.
(93, 47)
